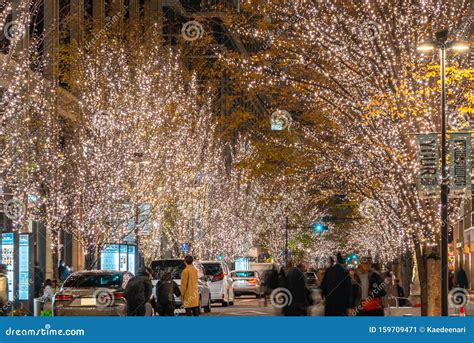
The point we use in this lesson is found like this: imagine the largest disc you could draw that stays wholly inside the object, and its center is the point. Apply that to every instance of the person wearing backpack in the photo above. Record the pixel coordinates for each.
(166, 289)
(138, 293)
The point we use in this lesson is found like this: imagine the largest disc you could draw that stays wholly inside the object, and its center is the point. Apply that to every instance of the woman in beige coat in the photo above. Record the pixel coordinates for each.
(189, 288)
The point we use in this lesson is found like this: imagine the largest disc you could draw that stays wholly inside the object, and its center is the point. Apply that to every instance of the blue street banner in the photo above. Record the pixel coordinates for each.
(237, 329)
(428, 171)
(460, 164)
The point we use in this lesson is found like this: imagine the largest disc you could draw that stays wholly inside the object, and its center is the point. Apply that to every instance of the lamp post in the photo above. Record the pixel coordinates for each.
(286, 242)
(442, 44)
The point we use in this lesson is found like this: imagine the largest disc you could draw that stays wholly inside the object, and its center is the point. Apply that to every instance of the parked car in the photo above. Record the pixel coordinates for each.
(175, 267)
(92, 293)
(221, 284)
(246, 282)
(311, 279)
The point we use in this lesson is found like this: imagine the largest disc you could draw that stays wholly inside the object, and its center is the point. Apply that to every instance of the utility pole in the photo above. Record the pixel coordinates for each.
(286, 242)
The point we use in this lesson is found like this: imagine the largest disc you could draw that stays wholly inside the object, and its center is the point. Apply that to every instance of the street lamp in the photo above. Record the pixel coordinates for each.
(442, 44)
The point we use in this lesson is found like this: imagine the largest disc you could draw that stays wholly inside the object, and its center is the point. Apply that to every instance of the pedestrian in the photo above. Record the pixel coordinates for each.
(372, 289)
(189, 288)
(461, 278)
(336, 289)
(63, 271)
(55, 286)
(138, 293)
(270, 282)
(4, 303)
(166, 290)
(391, 298)
(48, 293)
(402, 301)
(300, 294)
(451, 281)
(356, 290)
(38, 280)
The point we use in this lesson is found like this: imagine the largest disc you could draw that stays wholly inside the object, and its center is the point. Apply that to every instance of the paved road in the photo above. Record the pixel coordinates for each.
(244, 306)
(249, 306)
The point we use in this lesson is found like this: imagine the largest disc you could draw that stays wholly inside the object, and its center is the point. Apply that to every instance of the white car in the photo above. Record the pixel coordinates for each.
(247, 282)
(175, 267)
(220, 282)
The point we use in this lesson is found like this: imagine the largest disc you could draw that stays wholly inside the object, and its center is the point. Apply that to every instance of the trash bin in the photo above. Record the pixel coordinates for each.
(37, 307)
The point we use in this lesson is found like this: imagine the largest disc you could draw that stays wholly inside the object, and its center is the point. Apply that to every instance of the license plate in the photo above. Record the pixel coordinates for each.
(241, 282)
(88, 301)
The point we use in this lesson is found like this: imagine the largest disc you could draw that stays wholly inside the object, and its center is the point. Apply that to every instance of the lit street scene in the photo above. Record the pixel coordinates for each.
(236, 158)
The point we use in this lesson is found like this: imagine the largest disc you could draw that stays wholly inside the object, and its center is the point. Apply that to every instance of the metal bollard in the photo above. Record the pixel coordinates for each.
(37, 307)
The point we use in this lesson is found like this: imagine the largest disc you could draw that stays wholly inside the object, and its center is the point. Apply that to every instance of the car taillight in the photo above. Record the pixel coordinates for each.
(252, 281)
(63, 297)
(218, 277)
(118, 296)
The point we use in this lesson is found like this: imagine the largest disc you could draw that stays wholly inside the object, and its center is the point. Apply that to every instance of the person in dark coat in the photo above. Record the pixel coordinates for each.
(356, 290)
(336, 288)
(270, 282)
(400, 293)
(166, 290)
(63, 271)
(300, 294)
(38, 280)
(461, 278)
(138, 293)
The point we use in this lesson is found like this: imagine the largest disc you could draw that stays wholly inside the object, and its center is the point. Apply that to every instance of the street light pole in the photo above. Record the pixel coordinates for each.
(444, 186)
(286, 242)
(441, 43)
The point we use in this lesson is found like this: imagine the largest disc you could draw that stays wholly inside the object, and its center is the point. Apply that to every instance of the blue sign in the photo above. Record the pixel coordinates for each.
(109, 258)
(7, 259)
(131, 259)
(242, 263)
(184, 247)
(24, 270)
(118, 257)
(277, 329)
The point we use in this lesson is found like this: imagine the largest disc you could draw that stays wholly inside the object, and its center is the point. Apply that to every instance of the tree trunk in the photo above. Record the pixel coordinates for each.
(406, 272)
(433, 265)
(421, 264)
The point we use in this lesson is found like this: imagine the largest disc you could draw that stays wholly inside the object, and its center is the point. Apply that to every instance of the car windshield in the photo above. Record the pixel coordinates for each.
(175, 267)
(112, 280)
(212, 269)
(243, 274)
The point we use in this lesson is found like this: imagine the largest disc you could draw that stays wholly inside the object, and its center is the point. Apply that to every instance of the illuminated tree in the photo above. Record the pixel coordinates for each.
(351, 76)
